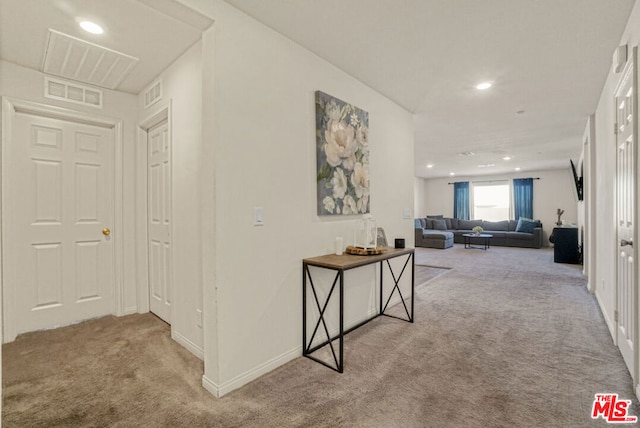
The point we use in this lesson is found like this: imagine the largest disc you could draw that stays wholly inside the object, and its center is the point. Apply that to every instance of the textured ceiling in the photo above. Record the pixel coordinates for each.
(547, 58)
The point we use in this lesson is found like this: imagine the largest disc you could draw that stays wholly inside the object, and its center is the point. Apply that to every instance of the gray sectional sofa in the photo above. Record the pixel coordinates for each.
(442, 232)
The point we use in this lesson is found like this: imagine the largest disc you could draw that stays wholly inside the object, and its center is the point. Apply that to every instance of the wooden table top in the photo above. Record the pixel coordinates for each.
(350, 261)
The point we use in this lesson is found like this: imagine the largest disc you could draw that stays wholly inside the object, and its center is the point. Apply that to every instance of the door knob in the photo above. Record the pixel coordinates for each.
(106, 231)
(624, 242)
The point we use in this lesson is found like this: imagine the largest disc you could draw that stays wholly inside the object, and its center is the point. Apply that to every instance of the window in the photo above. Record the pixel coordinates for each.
(491, 201)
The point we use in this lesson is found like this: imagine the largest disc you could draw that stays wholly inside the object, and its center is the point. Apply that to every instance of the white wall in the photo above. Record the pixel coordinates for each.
(604, 182)
(27, 84)
(588, 206)
(182, 89)
(263, 135)
(555, 189)
(419, 197)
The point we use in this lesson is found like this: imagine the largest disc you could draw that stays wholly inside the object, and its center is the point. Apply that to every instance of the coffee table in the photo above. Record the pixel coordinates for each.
(483, 237)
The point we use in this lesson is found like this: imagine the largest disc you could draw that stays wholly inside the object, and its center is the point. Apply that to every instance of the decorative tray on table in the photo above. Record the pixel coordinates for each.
(363, 251)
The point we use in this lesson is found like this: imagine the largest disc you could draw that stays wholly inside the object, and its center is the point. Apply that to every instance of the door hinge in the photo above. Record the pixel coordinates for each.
(615, 315)
(615, 129)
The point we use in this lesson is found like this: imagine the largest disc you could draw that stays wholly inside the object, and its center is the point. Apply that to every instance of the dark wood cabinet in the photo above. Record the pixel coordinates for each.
(566, 248)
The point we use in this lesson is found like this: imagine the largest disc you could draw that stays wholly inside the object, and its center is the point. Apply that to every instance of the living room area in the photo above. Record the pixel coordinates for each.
(491, 206)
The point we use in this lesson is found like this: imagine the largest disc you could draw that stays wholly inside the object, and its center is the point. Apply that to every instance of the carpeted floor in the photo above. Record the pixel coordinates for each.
(425, 273)
(506, 338)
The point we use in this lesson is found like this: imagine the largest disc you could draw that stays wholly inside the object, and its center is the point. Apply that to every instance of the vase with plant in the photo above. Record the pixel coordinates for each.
(477, 230)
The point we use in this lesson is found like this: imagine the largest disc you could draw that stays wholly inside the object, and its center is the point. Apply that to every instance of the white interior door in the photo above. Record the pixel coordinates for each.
(159, 220)
(627, 306)
(58, 254)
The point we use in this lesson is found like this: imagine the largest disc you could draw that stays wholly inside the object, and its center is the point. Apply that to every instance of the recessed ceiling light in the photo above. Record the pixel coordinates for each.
(507, 158)
(488, 165)
(91, 27)
(429, 165)
(518, 168)
(484, 85)
(452, 173)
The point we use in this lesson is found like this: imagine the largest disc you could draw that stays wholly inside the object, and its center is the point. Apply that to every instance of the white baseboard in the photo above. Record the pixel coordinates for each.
(189, 345)
(246, 377)
(607, 320)
(130, 310)
(211, 386)
(638, 392)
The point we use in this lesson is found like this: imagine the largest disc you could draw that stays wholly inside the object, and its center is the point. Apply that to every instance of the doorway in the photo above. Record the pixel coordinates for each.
(626, 314)
(154, 203)
(60, 224)
(159, 220)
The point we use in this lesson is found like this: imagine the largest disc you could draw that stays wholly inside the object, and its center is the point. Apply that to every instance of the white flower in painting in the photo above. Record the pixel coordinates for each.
(339, 183)
(349, 163)
(329, 204)
(354, 119)
(350, 206)
(360, 180)
(363, 203)
(341, 142)
(332, 110)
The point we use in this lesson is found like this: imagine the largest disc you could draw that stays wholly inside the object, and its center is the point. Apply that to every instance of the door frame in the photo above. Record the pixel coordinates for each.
(161, 113)
(633, 75)
(9, 107)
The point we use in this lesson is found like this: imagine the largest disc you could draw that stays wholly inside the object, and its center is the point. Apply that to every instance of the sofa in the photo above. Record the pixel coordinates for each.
(442, 232)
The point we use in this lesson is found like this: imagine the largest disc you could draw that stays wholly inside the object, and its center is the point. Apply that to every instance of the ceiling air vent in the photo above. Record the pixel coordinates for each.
(153, 93)
(72, 92)
(76, 59)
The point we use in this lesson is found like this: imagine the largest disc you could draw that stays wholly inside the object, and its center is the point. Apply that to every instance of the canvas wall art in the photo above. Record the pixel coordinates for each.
(342, 147)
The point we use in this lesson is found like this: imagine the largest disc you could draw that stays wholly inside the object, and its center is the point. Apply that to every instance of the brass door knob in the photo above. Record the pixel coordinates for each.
(106, 231)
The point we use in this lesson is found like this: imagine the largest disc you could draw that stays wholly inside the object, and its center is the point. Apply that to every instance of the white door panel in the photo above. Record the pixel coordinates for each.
(626, 140)
(159, 221)
(60, 198)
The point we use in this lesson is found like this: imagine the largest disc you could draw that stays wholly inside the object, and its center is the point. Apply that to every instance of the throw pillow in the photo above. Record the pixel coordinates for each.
(423, 223)
(435, 216)
(448, 221)
(439, 224)
(417, 224)
(428, 223)
(526, 225)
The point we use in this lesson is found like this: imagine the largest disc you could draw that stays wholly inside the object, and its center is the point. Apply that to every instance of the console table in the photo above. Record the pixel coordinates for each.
(340, 264)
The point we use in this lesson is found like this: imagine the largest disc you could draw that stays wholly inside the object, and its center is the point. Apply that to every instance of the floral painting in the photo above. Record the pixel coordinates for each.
(342, 146)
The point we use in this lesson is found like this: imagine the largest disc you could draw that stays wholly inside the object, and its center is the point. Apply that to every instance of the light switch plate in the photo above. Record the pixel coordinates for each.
(406, 213)
(258, 216)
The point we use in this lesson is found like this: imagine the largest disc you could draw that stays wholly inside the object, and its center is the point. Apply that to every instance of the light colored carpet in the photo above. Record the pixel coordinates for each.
(424, 274)
(506, 338)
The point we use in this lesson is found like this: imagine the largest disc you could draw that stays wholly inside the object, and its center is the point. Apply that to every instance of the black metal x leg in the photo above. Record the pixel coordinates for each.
(308, 349)
(396, 287)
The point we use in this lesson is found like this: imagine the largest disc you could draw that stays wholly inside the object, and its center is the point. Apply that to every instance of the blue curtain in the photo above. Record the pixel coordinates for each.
(523, 197)
(461, 200)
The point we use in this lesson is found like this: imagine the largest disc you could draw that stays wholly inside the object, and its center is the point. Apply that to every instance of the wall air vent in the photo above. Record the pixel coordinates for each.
(153, 93)
(72, 92)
